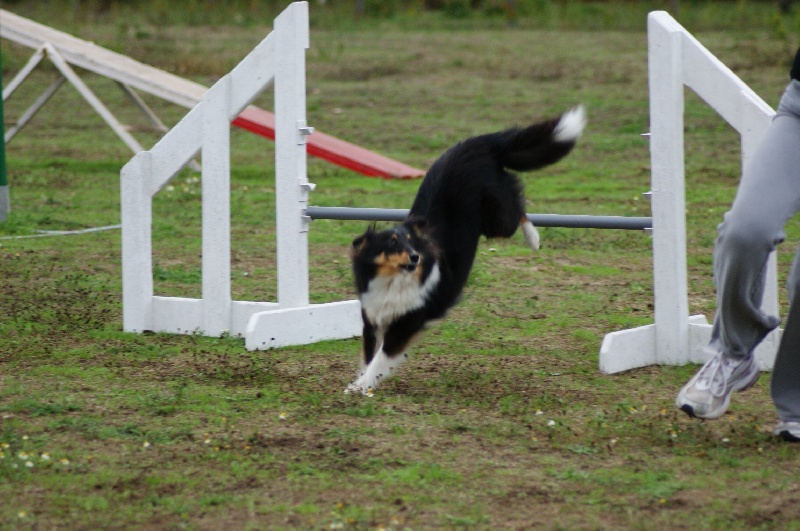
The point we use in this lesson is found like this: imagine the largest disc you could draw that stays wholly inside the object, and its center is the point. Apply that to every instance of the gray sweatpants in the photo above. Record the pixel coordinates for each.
(768, 196)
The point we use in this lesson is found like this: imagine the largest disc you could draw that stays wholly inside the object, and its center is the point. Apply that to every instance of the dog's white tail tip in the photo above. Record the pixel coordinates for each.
(531, 235)
(571, 125)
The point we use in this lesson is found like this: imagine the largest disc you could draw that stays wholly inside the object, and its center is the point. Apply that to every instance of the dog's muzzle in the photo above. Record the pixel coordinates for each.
(413, 261)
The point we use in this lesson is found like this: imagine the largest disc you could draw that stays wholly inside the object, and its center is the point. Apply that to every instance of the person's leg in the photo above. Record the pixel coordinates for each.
(768, 196)
(786, 373)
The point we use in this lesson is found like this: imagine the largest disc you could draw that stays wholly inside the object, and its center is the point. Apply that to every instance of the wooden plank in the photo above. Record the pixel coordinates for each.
(332, 149)
(186, 93)
(102, 61)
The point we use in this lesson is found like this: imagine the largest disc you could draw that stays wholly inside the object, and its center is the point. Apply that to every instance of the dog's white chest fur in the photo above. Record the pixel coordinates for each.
(387, 298)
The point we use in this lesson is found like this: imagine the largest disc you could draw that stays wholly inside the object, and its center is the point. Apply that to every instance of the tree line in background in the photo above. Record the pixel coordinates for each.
(211, 11)
(367, 6)
(511, 7)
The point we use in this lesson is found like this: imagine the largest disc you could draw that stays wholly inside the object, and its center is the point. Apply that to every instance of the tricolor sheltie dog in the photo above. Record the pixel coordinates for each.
(414, 273)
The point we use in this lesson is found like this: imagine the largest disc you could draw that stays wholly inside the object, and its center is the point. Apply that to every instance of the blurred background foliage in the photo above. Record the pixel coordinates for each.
(624, 15)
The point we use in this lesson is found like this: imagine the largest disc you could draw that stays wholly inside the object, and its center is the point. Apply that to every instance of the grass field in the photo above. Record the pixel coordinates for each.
(499, 420)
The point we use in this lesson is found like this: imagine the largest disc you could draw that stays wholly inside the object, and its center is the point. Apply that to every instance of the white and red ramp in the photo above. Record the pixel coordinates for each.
(66, 51)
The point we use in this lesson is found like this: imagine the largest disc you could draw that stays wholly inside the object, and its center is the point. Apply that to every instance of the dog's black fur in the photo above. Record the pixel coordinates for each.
(415, 272)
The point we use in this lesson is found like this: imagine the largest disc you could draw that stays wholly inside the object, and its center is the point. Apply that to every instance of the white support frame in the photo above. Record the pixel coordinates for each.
(66, 74)
(280, 58)
(676, 59)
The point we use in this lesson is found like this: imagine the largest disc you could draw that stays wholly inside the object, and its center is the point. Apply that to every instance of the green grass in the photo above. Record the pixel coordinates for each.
(500, 419)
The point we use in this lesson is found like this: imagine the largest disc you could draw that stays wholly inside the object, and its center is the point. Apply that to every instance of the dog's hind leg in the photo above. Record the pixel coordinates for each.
(503, 210)
(530, 233)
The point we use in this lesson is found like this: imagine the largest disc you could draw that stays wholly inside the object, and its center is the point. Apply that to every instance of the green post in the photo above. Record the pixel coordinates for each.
(5, 198)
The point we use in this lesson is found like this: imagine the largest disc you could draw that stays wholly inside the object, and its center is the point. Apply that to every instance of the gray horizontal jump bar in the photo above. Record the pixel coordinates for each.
(540, 220)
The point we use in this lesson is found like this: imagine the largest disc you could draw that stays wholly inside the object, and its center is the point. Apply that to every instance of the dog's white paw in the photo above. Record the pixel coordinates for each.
(380, 367)
(356, 387)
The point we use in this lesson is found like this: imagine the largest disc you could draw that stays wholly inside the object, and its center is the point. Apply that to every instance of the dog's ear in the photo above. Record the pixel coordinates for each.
(362, 241)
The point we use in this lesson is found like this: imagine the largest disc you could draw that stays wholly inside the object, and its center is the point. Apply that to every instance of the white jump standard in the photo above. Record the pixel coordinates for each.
(677, 59)
(280, 60)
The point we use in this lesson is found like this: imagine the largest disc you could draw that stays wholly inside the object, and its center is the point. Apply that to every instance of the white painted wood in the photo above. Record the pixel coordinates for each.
(767, 350)
(628, 349)
(151, 116)
(254, 74)
(719, 87)
(31, 111)
(677, 59)
(138, 76)
(668, 196)
(92, 99)
(104, 62)
(303, 325)
(23, 74)
(175, 149)
(145, 109)
(242, 311)
(756, 116)
(125, 71)
(137, 248)
(290, 157)
(699, 336)
(636, 347)
(47, 49)
(216, 185)
(179, 315)
(292, 320)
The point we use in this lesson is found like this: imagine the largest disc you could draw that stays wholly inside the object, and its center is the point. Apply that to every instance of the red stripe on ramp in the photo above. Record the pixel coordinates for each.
(332, 149)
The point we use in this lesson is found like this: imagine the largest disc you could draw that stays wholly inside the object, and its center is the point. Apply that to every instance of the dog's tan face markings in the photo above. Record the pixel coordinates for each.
(390, 264)
(393, 263)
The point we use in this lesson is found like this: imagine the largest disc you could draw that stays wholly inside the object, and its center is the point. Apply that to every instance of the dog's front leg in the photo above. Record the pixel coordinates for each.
(369, 342)
(381, 367)
(369, 346)
(391, 354)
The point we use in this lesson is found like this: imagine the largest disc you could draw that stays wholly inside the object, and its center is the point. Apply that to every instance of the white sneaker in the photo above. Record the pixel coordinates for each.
(708, 394)
(788, 431)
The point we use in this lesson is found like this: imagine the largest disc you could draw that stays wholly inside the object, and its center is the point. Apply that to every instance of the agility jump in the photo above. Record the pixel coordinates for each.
(279, 60)
(676, 59)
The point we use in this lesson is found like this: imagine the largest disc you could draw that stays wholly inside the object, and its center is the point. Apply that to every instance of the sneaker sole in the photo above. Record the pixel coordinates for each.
(787, 432)
(786, 435)
(689, 409)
